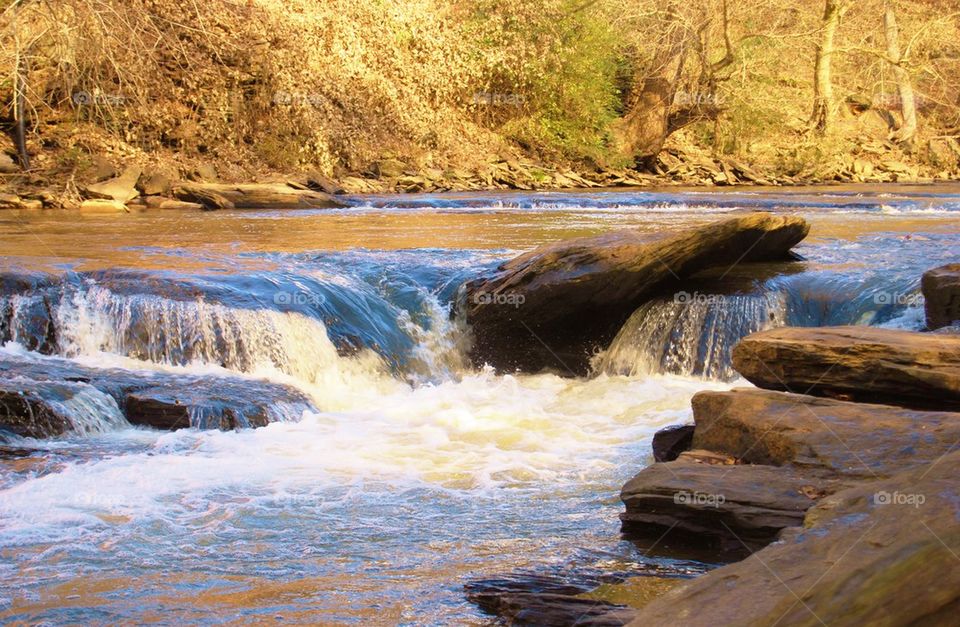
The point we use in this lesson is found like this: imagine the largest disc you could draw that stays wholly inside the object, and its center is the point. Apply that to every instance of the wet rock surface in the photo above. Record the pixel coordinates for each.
(553, 307)
(883, 552)
(941, 295)
(670, 442)
(728, 505)
(148, 398)
(29, 408)
(842, 439)
(868, 364)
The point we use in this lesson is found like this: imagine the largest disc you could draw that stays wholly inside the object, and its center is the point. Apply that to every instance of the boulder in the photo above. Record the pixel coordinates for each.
(731, 506)
(254, 196)
(7, 164)
(147, 398)
(554, 307)
(320, 183)
(668, 443)
(121, 189)
(941, 295)
(176, 407)
(160, 202)
(841, 439)
(155, 184)
(869, 364)
(883, 552)
(99, 205)
(30, 409)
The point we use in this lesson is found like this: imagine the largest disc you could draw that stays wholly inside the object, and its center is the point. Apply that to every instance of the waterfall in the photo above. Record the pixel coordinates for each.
(91, 319)
(690, 335)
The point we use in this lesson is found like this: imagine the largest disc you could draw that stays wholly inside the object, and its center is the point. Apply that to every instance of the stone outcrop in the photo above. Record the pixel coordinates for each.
(121, 189)
(941, 295)
(726, 505)
(869, 364)
(553, 307)
(29, 408)
(883, 552)
(669, 442)
(842, 439)
(254, 196)
(34, 390)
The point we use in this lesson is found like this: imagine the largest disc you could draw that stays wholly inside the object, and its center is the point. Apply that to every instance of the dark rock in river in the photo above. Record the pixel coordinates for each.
(851, 440)
(155, 399)
(29, 408)
(731, 506)
(27, 303)
(884, 552)
(869, 364)
(668, 443)
(941, 295)
(553, 307)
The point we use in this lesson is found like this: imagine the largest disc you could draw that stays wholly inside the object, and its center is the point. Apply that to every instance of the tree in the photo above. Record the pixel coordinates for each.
(907, 102)
(824, 106)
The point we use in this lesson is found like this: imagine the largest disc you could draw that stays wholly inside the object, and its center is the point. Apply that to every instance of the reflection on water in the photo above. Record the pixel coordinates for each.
(417, 474)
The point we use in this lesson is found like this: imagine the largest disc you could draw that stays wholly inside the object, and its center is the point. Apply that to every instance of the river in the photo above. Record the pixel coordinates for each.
(410, 474)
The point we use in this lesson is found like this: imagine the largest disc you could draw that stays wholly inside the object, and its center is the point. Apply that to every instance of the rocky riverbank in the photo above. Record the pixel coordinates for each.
(836, 500)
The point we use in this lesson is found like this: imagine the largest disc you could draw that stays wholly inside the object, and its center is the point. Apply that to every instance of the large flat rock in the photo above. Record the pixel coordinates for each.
(883, 553)
(941, 295)
(723, 505)
(868, 364)
(553, 307)
(32, 409)
(255, 196)
(852, 440)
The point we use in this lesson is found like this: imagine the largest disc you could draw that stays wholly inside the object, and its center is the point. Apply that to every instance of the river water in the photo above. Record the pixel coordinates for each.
(410, 474)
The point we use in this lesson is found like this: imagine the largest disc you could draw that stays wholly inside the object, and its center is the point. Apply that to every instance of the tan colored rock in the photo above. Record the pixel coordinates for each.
(155, 184)
(851, 440)
(7, 164)
(726, 505)
(553, 307)
(254, 196)
(121, 189)
(161, 202)
(882, 553)
(869, 364)
(103, 206)
(941, 294)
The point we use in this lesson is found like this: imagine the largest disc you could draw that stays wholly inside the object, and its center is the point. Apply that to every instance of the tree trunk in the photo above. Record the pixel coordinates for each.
(645, 125)
(908, 106)
(824, 108)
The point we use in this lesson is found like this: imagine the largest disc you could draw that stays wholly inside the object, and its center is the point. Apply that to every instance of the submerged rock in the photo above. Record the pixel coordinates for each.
(160, 400)
(553, 307)
(884, 552)
(941, 295)
(27, 408)
(870, 364)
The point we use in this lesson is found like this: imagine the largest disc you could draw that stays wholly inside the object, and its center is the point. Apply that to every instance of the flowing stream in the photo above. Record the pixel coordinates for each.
(406, 473)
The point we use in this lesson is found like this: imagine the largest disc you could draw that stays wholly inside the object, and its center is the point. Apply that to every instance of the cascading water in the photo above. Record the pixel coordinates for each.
(691, 335)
